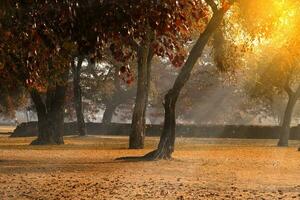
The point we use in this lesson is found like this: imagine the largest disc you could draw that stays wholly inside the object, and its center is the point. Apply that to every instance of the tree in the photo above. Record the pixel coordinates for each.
(12, 96)
(275, 77)
(144, 29)
(35, 54)
(104, 87)
(76, 70)
(167, 139)
(275, 64)
(119, 96)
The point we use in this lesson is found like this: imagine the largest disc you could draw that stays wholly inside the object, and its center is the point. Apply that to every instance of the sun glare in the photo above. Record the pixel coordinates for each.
(265, 24)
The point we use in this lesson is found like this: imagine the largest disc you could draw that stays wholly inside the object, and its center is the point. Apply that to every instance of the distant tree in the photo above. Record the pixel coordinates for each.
(274, 68)
(277, 77)
(103, 87)
(77, 90)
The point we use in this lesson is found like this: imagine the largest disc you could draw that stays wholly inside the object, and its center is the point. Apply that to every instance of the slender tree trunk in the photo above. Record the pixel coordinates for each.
(136, 139)
(285, 127)
(167, 139)
(149, 63)
(109, 113)
(81, 128)
(218, 43)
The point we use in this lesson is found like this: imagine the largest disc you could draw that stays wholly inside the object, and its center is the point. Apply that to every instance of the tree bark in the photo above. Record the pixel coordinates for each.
(44, 134)
(81, 127)
(287, 118)
(167, 139)
(218, 42)
(50, 116)
(136, 138)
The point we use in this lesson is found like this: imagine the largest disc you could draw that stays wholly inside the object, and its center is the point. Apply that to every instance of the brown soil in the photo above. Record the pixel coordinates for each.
(85, 168)
(6, 129)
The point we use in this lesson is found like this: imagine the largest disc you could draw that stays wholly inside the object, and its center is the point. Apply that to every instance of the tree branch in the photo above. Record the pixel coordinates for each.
(213, 5)
(297, 93)
(288, 89)
(134, 44)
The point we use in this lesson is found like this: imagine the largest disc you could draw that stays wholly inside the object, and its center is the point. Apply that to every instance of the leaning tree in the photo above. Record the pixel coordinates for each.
(167, 139)
(144, 29)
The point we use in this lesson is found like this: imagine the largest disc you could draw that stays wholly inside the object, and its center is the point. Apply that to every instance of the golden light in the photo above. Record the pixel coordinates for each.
(264, 24)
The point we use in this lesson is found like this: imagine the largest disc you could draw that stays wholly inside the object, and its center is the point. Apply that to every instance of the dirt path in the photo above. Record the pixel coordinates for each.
(203, 169)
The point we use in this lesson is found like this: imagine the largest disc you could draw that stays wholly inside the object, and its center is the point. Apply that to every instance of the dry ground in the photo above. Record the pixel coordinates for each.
(4, 129)
(84, 168)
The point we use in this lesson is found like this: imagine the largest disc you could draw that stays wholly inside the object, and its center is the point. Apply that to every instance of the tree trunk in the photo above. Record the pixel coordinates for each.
(108, 113)
(44, 134)
(167, 139)
(218, 43)
(81, 128)
(50, 116)
(285, 127)
(136, 139)
(56, 115)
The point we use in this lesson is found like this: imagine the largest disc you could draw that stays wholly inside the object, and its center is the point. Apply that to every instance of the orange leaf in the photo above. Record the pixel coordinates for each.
(225, 5)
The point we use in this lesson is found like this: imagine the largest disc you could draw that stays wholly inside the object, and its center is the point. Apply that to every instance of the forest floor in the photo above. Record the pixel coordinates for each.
(85, 168)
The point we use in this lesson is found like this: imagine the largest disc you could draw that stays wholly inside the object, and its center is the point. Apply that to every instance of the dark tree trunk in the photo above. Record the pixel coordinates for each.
(50, 116)
(149, 63)
(56, 116)
(218, 42)
(109, 113)
(81, 128)
(136, 139)
(44, 134)
(167, 139)
(285, 127)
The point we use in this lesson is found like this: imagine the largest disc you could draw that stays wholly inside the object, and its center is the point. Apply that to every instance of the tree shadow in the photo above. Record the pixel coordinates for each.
(24, 167)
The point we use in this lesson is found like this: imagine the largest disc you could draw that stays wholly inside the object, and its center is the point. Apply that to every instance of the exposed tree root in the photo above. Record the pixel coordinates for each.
(42, 142)
(282, 144)
(151, 156)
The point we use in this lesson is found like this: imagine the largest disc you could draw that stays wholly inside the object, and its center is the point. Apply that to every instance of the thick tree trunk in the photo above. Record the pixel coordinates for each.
(167, 139)
(50, 116)
(136, 138)
(44, 135)
(285, 127)
(50, 113)
(56, 116)
(81, 128)
(109, 113)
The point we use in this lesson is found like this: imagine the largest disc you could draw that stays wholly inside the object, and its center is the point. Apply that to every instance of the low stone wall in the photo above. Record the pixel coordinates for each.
(204, 131)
